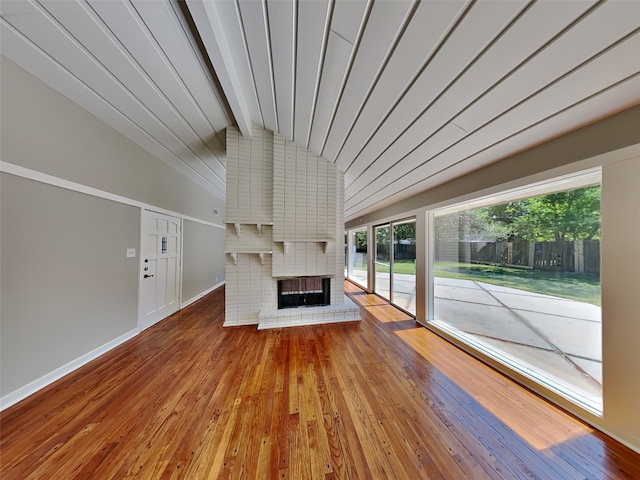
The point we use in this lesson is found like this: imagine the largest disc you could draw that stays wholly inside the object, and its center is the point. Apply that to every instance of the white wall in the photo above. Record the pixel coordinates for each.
(613, 143)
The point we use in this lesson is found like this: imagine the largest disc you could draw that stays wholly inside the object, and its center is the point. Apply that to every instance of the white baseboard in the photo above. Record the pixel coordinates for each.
(200, 295)
(242, 323)
(305, 322)
(31, 388)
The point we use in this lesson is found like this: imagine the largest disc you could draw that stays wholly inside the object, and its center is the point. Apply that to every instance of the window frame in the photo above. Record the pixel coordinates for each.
(574, 180)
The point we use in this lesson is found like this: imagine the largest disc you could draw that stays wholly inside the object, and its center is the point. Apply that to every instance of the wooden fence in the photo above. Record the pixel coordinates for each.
(581, 256)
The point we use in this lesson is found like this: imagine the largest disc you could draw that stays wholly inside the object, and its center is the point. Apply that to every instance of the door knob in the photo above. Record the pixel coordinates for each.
(148, 276)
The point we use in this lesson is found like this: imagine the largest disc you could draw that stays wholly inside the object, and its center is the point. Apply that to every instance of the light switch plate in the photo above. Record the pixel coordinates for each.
(131, 252)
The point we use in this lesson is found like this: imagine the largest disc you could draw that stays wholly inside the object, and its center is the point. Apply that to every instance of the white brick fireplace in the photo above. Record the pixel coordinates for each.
(284, 221)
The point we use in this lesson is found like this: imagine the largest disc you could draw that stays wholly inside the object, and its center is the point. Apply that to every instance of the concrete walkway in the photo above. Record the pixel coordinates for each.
(553, 338)
(549, 337)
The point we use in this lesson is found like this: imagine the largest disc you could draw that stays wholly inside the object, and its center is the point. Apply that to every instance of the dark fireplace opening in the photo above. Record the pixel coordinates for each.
(304, 292)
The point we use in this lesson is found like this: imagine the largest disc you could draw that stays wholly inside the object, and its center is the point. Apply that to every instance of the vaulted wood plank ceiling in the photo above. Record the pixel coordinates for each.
(402, 95)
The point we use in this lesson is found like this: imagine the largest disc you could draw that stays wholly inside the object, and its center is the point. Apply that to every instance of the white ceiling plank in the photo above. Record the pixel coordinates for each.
(154, 75)
(312, 26)
(203, 166)
(431, 21)
(333, 73)
(403, 95)
(383, 199)
(44, 30)
(613, 100)
(592, 81)
(610, 22)
(33, 59)
(380, 33)
(208, 20)
(204, 88)
(346, 23)
(118, 68)
(166, 25)
(595, 77)
(475, 32)
(347, 18)
(282, 31)
(542, 21)
(425, 154)
(254, 23)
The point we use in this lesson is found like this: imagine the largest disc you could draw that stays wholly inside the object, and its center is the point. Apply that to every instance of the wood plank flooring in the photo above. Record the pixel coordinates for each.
(379, 399)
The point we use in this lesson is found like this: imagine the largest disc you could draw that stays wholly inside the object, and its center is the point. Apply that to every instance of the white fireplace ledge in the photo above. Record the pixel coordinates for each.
(288, 242)
(291, 317)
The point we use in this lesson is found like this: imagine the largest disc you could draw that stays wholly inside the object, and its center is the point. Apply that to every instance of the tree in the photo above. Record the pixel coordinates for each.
(569, 215)
(472, 226)
(404, 231)
(361, 241)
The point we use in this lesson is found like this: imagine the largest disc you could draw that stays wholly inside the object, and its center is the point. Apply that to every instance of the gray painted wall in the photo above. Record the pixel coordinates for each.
(67, 287)
(202, 264)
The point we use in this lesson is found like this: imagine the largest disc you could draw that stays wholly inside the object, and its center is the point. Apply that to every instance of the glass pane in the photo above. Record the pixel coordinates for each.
(404, 265)
(383, 261)
(522, 279)
(357, 267)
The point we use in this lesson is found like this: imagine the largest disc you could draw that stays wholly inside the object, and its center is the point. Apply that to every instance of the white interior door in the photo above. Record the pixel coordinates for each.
(160, 254)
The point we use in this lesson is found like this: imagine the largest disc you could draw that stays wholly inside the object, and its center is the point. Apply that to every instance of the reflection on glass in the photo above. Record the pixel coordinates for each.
(357, 260)
(404, 266)
(383, 261)
(522, 279)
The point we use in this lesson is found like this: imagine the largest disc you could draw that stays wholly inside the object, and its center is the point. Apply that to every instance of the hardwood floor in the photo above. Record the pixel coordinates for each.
(379, 399)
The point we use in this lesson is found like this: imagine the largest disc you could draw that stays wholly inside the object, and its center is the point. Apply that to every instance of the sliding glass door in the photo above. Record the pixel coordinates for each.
(395, 263)
(403, 277)
(382, 262)
(357, 244)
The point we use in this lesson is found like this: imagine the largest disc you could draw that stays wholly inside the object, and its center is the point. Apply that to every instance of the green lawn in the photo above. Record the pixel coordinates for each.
(399, 266)
(581, 287)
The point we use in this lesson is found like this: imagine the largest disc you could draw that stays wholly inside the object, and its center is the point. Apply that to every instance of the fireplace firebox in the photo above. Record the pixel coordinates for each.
(304, 292)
